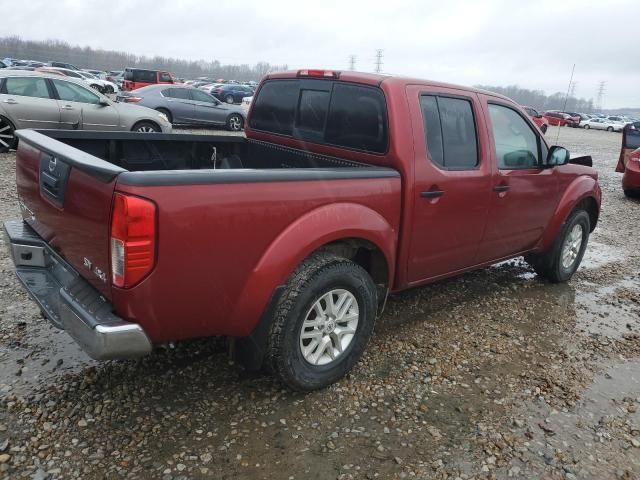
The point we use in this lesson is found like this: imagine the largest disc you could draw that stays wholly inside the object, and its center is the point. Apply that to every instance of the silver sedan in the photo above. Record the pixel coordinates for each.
(602, 124)
(187, 106)
(37, 100)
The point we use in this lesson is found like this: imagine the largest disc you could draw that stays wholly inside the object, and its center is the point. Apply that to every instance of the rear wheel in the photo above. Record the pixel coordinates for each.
(563, 259)
(228, 99)
(108, 89)
(322, 322)
(167, 114)
(609, 129)
(632, 193)
(97, 87)
(8, 139)
(587, 127)
(235, 122)
(146, 127)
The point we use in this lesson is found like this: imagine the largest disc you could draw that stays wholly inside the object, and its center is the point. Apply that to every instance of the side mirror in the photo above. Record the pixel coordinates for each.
(539, 116)
(557, 156)
(104, 103)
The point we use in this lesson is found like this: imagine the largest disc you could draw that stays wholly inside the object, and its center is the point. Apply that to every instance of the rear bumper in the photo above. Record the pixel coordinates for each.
(69, 301)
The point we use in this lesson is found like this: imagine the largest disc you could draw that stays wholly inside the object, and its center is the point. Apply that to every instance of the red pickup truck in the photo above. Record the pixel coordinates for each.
(629, 161)
(347, 186)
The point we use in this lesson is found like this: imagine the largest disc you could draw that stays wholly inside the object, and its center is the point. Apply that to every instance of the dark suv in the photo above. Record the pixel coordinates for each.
(232, 93)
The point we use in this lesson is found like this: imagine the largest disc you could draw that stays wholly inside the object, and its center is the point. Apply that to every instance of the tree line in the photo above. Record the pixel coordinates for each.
(98, 59)
(538, 100)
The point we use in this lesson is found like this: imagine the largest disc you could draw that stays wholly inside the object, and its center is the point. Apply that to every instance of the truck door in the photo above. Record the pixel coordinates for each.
(524, 193)
(452, 190)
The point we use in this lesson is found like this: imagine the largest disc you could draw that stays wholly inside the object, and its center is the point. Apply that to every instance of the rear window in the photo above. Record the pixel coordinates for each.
(340, 114)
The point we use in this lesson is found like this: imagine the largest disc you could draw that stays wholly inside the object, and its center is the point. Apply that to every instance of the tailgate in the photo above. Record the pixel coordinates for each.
(65, 195)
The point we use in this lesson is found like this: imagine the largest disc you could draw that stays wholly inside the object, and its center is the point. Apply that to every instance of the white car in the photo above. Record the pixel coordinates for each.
(103, 86)
(246, 103)
(603, 124)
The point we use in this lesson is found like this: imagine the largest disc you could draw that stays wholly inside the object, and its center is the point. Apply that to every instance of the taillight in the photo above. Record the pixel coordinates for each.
(132, 99)
(318, 73)
(133, 239)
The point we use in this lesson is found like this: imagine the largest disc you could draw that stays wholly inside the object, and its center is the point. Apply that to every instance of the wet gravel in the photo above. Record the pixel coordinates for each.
(494, 374)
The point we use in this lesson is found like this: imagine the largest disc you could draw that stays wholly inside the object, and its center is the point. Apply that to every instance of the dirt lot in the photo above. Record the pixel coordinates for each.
(494, 374)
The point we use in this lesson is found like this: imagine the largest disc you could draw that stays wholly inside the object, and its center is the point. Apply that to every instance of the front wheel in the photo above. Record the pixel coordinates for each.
(146, 127)
(563, 259)
(609, 129)
(587, 127)
(8, 139)
(235, 122)
(322, 322)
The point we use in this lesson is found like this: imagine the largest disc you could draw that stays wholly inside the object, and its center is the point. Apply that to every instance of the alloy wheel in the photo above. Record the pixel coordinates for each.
(329, 327)
(571, 247)
(235, 123)
(7, 135)
(145, 129)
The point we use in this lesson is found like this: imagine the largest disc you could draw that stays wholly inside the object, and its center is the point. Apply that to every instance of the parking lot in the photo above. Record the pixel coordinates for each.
(493, 374)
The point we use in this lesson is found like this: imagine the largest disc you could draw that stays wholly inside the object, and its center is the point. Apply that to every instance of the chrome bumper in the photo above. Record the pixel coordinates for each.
(69, 301)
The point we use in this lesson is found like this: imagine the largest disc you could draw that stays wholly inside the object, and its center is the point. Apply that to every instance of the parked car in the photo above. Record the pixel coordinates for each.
(629, 161)
(246, 103)
(114, 75)
(97, 73)
(135, 78)
(3, 65)
(231, 92)
(603, 124)
(209, 87)
(560, 119)
(67, 66)
(77, 74)
(352, 186)
(618, 119)
(37, 100)
(541, 122)
(104, 86)
(187, 106)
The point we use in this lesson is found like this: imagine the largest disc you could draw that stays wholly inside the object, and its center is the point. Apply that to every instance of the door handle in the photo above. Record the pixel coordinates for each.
(432, 194)
(501, 188)
(10, 101)
(67, 107)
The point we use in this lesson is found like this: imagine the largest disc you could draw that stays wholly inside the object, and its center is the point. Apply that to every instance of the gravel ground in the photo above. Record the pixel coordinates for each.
(494, 374)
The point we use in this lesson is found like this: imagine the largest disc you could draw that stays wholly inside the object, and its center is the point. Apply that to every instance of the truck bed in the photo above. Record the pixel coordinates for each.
(218, 224)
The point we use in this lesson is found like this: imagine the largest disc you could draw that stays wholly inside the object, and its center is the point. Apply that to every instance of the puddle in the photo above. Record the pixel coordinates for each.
(599, 254)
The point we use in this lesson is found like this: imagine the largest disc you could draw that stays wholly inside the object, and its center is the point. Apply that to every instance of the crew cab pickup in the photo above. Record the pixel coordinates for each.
(347, 187)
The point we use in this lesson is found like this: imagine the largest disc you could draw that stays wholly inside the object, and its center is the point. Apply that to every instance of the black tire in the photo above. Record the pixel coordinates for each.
(235, 122)
(544, 128)
(609, 129)
(146, 127)
(549, 265)
(587, 127)
(108, 89)
(632, 193)
(316, 276)
(8, 139)
(229, 99)
(167, 114)
(97, 87)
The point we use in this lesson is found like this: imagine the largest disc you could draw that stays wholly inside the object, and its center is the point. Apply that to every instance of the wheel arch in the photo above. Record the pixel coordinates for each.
(583, 193)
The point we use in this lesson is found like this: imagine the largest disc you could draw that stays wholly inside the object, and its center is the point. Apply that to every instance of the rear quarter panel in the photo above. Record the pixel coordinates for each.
(224, 248)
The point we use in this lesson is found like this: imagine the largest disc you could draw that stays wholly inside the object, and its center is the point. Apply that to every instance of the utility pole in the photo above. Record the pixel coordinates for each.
(379, 60)
(352, 62)
(602, 89)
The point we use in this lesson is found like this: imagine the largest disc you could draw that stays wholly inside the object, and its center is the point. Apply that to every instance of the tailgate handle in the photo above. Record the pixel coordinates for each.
(50, 183)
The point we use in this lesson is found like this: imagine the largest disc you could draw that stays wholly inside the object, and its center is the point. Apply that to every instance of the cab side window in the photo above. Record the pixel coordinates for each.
(517, 145)
(450, 132)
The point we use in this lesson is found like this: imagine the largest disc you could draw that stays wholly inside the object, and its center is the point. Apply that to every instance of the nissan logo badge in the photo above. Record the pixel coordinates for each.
(52, 164)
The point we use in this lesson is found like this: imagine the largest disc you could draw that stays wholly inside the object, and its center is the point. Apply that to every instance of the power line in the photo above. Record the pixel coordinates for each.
(378, 60)
(352, 62)
(602, 89)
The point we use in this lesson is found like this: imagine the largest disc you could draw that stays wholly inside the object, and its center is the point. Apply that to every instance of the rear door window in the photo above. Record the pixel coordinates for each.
(450, 131)
(27, 87)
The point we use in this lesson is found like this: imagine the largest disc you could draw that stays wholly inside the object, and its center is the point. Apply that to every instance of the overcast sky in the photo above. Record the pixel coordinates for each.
(493, 42)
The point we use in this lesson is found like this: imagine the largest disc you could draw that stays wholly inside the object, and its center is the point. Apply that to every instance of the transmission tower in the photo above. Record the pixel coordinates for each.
(378, 60)
(602, 89)
(352, 62)
(572, 89)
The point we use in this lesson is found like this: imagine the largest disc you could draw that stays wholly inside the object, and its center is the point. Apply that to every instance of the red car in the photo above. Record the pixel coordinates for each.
(629, 162)
(541, 122)
(348, 186)
(561, 119)
(137, 78)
